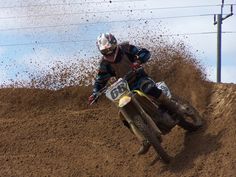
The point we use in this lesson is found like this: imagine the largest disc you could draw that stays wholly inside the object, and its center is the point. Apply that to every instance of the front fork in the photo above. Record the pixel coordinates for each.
(149, 120)
(128, 112)
(133, 128)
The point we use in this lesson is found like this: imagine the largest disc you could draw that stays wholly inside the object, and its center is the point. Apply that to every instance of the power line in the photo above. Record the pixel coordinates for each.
(200, 33)
(89, 40)
(101, 2)
(230, 32)
(40, 43)
(73, 3)
(92, 23)
(96, 12)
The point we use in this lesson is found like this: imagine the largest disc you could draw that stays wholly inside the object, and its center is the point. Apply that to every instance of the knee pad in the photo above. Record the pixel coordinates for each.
(149, 87)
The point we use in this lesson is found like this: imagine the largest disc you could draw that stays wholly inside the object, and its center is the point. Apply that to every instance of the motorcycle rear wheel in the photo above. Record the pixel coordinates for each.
(191, 121)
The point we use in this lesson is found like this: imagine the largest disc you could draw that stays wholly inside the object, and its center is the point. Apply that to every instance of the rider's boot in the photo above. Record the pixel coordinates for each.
(150, 88)
(145, 146)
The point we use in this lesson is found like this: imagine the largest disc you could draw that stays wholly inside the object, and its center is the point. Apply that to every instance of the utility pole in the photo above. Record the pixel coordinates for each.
(219, 22)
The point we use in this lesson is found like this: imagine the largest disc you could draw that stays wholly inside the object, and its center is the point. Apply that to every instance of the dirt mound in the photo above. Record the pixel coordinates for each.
(55, 133)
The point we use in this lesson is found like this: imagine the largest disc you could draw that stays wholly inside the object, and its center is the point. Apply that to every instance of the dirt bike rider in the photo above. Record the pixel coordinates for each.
(117, 60)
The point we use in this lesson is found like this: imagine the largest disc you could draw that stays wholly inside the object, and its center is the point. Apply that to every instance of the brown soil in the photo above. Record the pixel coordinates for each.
(55, 133)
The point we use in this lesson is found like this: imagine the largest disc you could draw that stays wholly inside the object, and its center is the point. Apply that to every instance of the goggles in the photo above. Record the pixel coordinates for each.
(107, 51)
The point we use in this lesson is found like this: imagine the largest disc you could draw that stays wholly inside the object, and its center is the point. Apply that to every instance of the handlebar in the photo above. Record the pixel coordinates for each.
(126, 77)
(99, 93)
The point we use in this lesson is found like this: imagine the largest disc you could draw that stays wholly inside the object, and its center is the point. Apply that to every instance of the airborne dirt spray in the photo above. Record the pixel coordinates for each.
(171, 62)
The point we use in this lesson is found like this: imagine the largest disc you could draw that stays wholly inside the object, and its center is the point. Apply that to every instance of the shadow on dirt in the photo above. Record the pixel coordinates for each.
(195, 145)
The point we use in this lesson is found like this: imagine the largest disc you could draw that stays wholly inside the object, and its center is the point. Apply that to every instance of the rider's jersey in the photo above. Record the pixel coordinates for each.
(120, 63)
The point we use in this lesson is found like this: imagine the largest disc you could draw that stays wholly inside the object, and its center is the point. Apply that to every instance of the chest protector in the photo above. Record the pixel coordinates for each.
(120, 61)
(122, 67)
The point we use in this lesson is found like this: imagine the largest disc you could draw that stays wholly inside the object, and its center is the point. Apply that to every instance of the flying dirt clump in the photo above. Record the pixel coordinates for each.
(182, 72)
(57, 76)
(170, 61)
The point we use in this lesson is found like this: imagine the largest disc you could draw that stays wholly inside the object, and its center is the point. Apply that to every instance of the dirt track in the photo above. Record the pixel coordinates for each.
(54, 133)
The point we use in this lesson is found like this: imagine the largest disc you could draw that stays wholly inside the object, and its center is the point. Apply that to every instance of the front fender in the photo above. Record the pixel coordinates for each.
(124, 101)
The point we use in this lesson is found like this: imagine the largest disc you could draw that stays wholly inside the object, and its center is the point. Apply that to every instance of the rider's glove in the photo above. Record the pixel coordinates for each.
(136, 65)
(92, 98)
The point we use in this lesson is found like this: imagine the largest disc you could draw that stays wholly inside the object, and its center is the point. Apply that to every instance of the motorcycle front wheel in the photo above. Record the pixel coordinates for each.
(191, 121)
(149, 135)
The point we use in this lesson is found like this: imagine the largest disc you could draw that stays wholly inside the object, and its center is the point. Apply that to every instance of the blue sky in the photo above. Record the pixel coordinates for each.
(42, 32)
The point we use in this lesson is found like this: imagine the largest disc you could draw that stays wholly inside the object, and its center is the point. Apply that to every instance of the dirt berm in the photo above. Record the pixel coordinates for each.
(55, 133)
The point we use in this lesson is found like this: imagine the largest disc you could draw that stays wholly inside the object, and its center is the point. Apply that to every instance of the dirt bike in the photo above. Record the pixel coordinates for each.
(146, 118)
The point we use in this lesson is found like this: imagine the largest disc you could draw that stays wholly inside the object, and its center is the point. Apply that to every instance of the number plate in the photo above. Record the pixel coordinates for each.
(116, 90)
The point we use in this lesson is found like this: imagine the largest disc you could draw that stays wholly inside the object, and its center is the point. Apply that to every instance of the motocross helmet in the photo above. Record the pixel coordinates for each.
(106, 43)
